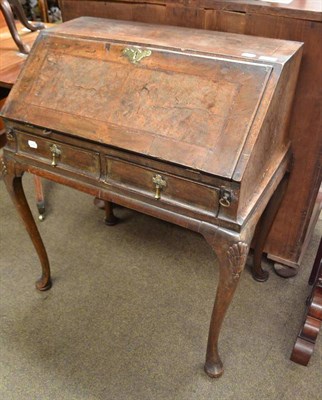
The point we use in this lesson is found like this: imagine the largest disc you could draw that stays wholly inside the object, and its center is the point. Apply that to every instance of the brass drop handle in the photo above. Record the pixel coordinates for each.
(55, 154)
(225, 199)
(159, 184)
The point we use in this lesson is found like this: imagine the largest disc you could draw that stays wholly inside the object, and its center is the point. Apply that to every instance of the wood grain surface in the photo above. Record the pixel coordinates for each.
(77, 109)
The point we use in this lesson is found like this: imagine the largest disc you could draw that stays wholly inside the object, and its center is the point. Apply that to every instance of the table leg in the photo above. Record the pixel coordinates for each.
(15, 189)
(232, 259)
(263, 228)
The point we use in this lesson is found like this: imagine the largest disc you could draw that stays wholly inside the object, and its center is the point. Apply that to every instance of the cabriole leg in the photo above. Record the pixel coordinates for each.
(232, 259)
(15, 189)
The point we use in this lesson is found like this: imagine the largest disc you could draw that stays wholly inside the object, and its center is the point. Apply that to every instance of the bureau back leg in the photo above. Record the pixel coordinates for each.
(263, 228)
(15, 189)
(232, 258)
(108, 206)
(110, 218)
(40, 198)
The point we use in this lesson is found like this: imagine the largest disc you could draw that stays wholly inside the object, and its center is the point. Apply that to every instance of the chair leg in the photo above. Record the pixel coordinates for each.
(23, 19)
(43, 6)
(8, 16)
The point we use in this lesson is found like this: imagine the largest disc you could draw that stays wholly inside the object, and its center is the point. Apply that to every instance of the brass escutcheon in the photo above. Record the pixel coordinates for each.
(55, 153)
(135, 55)
(159, 184)
(10, 134)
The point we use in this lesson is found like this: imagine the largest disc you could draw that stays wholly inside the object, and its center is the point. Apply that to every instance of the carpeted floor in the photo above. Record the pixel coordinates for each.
(127, 317)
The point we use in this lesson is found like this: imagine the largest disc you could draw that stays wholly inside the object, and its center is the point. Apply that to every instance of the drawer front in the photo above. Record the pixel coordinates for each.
(59, 155)
(170, 189)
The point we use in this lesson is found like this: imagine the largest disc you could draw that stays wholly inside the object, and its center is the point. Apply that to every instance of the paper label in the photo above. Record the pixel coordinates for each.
(278, 1)
(249, 55)
(32, 144)
(266, 58)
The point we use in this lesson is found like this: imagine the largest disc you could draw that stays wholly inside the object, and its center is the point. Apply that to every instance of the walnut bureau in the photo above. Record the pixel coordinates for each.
(180, 124)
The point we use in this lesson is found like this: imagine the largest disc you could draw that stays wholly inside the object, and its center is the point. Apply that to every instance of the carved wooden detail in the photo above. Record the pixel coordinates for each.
(237, 255)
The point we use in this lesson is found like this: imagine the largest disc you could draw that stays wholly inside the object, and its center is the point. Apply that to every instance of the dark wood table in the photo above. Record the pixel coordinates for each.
(184, 125)
(301, 21)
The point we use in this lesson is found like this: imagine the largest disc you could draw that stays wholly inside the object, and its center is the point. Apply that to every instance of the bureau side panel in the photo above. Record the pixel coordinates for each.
(272, 142)
(290, 227)
(291, 224)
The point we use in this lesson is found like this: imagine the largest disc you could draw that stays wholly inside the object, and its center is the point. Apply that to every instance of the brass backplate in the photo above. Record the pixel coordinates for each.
(135, 55)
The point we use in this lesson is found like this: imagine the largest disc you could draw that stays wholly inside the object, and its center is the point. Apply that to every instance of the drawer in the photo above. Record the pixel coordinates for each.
(171, 189)
(59, 155)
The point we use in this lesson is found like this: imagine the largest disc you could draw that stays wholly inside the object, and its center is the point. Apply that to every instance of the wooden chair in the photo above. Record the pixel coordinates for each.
(6, 9)
(43, 7)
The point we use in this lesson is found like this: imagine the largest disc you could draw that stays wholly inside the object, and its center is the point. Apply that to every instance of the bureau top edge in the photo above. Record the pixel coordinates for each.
(220, 43)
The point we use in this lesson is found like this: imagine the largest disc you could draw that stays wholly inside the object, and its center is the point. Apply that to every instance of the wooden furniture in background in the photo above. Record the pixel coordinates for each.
(146, 116)
(3, 92)
(300, 21)
(3, 138)
(43, 7)
(11, 62)
(305, 342)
